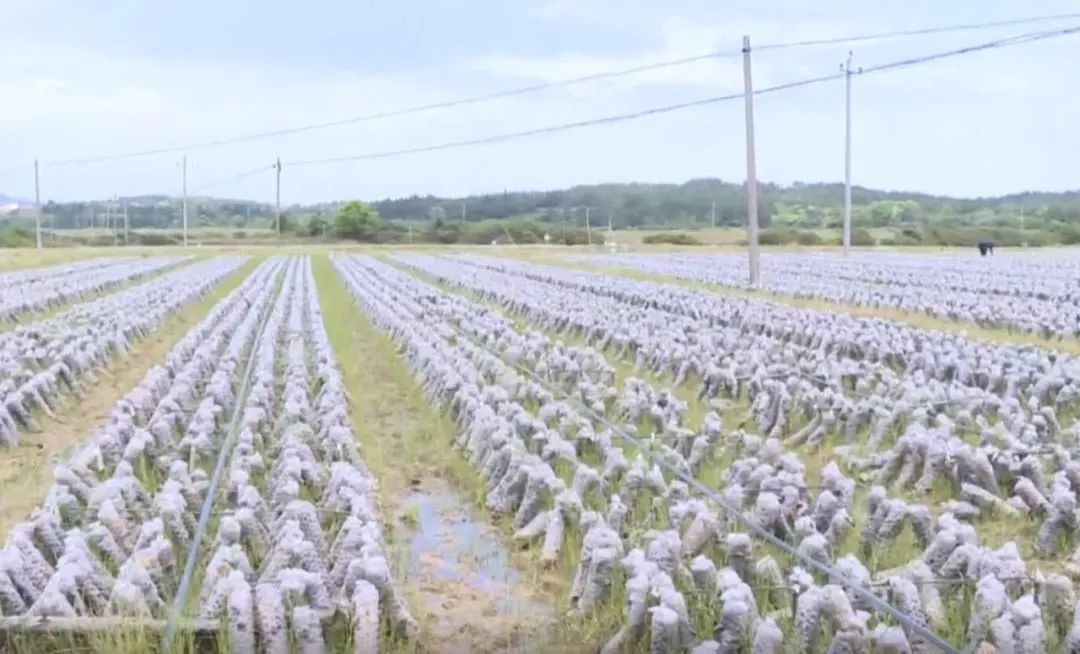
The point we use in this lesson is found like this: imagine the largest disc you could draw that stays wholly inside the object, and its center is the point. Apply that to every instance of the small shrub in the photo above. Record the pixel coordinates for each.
(862, 238)
(774, 237)
(154, 238)
(671, 238)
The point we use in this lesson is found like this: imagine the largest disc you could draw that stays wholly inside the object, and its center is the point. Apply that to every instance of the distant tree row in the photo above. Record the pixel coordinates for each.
(687, 205)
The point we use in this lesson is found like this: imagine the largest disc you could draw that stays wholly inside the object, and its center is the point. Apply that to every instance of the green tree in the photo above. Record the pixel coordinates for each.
(287, 224)
(318, 225)
(356, 220)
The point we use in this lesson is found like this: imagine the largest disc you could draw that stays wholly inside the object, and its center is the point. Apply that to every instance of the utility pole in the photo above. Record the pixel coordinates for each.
(714, 214)
(37, 204)
(1023, 237)
(125, 222)
(846, 67)
(108, 215)
(462, 213)
(751, 169)
(277, 197)
(183, 201)
(588, 228)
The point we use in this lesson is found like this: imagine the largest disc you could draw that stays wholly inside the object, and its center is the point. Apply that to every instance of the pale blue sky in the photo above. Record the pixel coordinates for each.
(80, 78)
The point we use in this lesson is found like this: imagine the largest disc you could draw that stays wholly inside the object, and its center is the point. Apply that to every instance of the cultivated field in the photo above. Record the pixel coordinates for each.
(277, 450)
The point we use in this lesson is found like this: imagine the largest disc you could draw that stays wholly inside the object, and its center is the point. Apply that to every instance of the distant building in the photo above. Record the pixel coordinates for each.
(15, 208)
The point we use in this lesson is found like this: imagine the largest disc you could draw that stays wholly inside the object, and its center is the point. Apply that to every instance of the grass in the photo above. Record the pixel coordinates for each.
(107, 636)
(406, 442)
(723, 237)
(26, 470)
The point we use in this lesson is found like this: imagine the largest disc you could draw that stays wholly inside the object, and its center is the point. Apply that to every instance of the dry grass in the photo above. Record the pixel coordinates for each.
(26, 470)
(406, 442)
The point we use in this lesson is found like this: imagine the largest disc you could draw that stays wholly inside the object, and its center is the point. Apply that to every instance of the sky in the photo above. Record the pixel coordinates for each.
(82, 79)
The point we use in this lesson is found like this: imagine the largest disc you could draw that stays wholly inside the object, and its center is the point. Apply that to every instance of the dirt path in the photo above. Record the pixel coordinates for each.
(26, 470)
(464, 587)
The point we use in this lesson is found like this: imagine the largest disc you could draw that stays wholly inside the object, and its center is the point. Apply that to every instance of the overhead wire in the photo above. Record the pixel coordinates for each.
(13, 169)
(233, 178)
(924, 31)
(564, 126)
(998, 43)
(398, 112)
(483, 97)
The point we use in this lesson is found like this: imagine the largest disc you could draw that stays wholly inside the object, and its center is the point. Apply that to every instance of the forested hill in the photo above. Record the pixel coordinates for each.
(798, 205)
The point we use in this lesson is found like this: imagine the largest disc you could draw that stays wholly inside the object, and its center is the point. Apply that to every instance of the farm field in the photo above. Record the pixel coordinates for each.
(502, 449)
(1031, 293)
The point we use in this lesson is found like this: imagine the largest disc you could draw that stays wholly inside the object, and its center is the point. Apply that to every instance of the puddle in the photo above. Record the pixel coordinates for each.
(474, 599)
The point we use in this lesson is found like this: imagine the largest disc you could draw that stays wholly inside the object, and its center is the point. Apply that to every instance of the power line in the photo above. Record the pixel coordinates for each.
(233, 178)
(398, 112)
(565, 126)
(1019, 39)
(918, 32)
(999, 43)
(549, 85)
(15, 169)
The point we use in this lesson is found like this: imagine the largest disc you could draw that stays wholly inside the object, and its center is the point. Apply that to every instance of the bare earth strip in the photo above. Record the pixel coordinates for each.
(465, 589)
(26, 470)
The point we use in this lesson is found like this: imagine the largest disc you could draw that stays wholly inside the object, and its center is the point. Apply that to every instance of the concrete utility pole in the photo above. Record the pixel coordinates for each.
(588, 228)
(37, 204)
(183, 201)
(277, 197)
(116, 220)
(846, 67)
(1023, 236)
(714, 214)
(462, 213)
(125, 223)
(751, 169)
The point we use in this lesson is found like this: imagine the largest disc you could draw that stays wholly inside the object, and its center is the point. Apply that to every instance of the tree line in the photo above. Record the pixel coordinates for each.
(786, 213)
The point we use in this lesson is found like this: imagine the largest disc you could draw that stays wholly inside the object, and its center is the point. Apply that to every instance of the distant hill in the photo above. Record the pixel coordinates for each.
(800, 205)
(636, 205)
